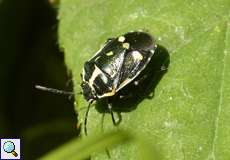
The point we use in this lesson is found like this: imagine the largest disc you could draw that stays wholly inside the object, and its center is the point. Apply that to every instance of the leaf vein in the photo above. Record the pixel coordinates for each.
(220, 104)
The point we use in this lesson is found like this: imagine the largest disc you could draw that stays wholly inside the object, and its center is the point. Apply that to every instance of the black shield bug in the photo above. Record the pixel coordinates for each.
(115, 65)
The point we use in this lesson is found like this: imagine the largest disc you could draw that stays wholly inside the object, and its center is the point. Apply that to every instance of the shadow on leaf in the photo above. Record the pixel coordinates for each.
(142, 87)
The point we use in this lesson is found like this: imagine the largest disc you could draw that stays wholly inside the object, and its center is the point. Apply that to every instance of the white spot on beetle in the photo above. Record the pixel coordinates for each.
(152, 51)
(121, 96)
(121, 39)
(136, 83)
(137, 55)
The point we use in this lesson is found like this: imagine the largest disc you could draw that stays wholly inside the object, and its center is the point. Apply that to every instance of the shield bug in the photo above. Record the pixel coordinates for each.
(114, 66)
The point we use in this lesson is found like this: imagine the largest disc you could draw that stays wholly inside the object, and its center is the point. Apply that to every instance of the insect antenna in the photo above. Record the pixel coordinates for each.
(53, 90)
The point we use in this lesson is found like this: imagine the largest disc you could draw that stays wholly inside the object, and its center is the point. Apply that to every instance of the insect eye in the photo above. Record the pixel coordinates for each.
(87, 92)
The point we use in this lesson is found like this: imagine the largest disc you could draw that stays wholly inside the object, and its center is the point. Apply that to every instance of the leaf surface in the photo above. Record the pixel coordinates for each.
(188, 116)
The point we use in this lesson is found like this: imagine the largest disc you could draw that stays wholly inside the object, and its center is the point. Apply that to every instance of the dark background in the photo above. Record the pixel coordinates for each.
(30, 55)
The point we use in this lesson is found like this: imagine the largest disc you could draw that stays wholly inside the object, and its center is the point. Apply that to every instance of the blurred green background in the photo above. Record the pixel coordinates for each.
(30, 55)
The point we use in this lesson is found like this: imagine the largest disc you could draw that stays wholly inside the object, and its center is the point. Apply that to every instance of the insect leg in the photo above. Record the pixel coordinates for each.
(86, 118)
(110, 108)
(111, 112)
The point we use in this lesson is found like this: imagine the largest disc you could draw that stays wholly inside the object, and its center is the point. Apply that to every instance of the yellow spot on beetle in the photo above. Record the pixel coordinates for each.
(109, 53)
(125, 45)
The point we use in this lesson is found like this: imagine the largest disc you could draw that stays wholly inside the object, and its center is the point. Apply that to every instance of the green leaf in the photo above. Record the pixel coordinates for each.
(188, 117)
(82, 149)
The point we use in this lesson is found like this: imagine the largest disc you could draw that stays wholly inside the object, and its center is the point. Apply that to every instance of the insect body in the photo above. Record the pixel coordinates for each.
(115, 65)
